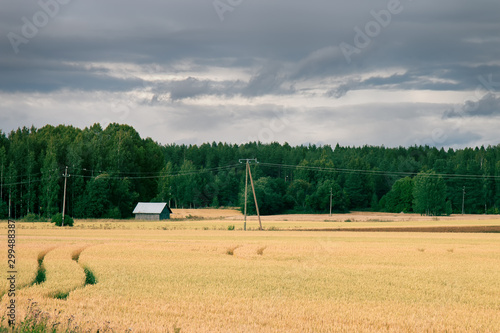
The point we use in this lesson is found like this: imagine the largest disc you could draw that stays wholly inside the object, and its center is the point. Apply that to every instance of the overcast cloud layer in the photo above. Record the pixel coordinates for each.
(191, 71)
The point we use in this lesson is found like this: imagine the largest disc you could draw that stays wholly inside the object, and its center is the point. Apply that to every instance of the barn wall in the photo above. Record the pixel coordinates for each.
(165, 215)
(148, 217)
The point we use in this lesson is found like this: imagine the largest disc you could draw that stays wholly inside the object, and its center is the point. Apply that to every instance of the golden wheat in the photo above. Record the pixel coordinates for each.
(152, 280)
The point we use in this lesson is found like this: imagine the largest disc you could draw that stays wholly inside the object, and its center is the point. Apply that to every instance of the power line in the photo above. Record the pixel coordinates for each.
(379, 172)
(117, 175)
(110, 175)
(153, 175)
(30, 178)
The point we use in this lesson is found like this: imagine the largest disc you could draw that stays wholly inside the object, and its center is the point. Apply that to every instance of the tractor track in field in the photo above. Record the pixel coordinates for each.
(90, 278)
(41, 271)
(40, 276)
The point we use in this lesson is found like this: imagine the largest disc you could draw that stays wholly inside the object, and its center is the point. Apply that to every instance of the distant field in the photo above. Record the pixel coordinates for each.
(235, 214)
(212, 219)
(205, 213)
(220, 219)
(197, 276)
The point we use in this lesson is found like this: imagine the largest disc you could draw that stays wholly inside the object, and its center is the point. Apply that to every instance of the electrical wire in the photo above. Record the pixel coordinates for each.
(117, 175)
(380, 172)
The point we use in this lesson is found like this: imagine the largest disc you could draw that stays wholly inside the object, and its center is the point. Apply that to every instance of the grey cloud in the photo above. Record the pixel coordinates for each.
(327, 61)
(447, 78)
(48, 76)
(487, 106)
(243, 123)
(304, 36)
(268, 80)
(433, 46)
(190, 87)
(339, 92)
(456, 138)
(176, 90)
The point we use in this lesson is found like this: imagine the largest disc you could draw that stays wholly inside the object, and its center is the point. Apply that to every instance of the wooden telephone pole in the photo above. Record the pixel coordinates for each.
(249, 172)
(331, 197)
(463, 201)
(64, 200)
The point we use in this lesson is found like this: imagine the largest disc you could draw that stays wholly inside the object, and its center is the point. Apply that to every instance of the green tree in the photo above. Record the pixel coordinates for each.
(165, 184)
(318, 170)
(58, 220)
(298, 191)
(400, 197)
(358, 184)
(123, 145)
(497, 186)
(50, 182)
(429, 194)
(30, 196)
(3, 161)
(227, 184)
(270, 193)
(319, 201)
(364, 174)
(186, 184)
(123, 198)
(97, 197)
(374, 205)
(13, 189)
(75, 201)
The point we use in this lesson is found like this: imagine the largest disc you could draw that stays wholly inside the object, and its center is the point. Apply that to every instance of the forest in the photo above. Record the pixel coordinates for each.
(109, 170)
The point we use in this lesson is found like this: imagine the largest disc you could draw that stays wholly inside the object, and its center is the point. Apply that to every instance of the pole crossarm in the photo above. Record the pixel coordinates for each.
(247, 160)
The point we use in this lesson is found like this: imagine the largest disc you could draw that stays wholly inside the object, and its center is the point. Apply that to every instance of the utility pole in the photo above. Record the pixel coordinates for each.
(463, 201)
(64, 200)
(246, 195)
(10, 194)
(249, 172)
(255, 197)
(331, 195)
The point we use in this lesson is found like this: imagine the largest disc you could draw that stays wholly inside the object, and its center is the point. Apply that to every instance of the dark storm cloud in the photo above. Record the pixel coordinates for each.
(268, 80)
(48, 76)
(488, 106)
(306, 35)
(446, 78)
(285, 48)
(192, 88)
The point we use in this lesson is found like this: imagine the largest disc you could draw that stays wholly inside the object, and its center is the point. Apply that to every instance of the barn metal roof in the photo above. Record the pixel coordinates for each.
(150, 208)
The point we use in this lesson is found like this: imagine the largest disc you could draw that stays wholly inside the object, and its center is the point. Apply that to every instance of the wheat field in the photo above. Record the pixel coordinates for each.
(204, 278)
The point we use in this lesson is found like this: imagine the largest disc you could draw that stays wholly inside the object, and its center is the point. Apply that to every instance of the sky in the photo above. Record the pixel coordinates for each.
(390, 72)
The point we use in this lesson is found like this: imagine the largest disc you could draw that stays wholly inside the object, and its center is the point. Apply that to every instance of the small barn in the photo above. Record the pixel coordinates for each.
(153, 211)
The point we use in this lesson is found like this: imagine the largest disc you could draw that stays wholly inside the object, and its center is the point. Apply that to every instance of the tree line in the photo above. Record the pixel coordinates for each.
(111, 169)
